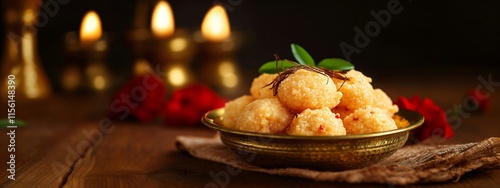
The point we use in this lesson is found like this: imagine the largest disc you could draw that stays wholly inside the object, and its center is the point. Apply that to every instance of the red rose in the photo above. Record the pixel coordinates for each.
(435, 125)
(187, 105)
(143, 97)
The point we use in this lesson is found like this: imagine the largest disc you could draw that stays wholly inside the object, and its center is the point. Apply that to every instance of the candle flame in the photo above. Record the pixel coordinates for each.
(215, 26)
(90, 30)
(162, 22)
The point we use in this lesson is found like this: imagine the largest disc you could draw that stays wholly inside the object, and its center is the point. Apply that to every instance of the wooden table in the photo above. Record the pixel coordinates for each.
(130, 154)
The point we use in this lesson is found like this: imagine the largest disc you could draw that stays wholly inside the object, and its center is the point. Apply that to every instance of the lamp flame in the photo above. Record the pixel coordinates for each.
(162, 22)
(90, 30)
(215, 26)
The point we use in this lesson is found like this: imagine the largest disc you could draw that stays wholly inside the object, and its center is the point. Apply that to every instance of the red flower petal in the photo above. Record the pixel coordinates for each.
(143, 97)
(436, 125)
(411, 104)
(189, 104)
(428, 109)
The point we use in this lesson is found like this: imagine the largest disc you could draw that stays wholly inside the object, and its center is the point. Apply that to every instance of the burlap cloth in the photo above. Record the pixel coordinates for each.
(410, 164)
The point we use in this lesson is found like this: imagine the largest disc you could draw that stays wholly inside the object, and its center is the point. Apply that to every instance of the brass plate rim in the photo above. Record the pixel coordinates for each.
(209, 120)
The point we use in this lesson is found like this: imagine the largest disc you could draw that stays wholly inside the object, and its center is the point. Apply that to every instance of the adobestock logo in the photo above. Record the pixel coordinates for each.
(483, 91)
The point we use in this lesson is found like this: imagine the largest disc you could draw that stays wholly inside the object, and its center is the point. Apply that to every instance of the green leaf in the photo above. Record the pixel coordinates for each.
(302, 56)
(4, 123)
(335, 64)
(270, 67)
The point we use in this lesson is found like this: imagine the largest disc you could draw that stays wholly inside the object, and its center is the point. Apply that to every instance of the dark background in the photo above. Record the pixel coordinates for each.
(428, 39)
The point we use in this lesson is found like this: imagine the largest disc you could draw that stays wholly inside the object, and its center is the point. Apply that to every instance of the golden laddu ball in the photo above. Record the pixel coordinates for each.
(259, 88)
(384, 102)
(266, 115)
(306, 89)
(319, 122)
(310, 103)
(357, 92)
(380, 100)
(233, 109)
(368, 120)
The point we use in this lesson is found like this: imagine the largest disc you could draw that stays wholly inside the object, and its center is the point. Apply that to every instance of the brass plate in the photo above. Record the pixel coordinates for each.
(333, 153)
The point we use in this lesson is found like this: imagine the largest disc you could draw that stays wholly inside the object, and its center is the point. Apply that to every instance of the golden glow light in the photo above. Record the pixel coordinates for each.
(32, 89)
(71, 78)
(142, 67)
(28, 16)
(177, 76)
(230, 81)
(99, 82)
(227, 72)
(215, 26)
(90, 30)
(178, 44)
(98, 76)
(162, 22)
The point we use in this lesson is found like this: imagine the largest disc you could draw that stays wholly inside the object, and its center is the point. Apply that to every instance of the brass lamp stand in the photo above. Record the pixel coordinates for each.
(20, 61)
